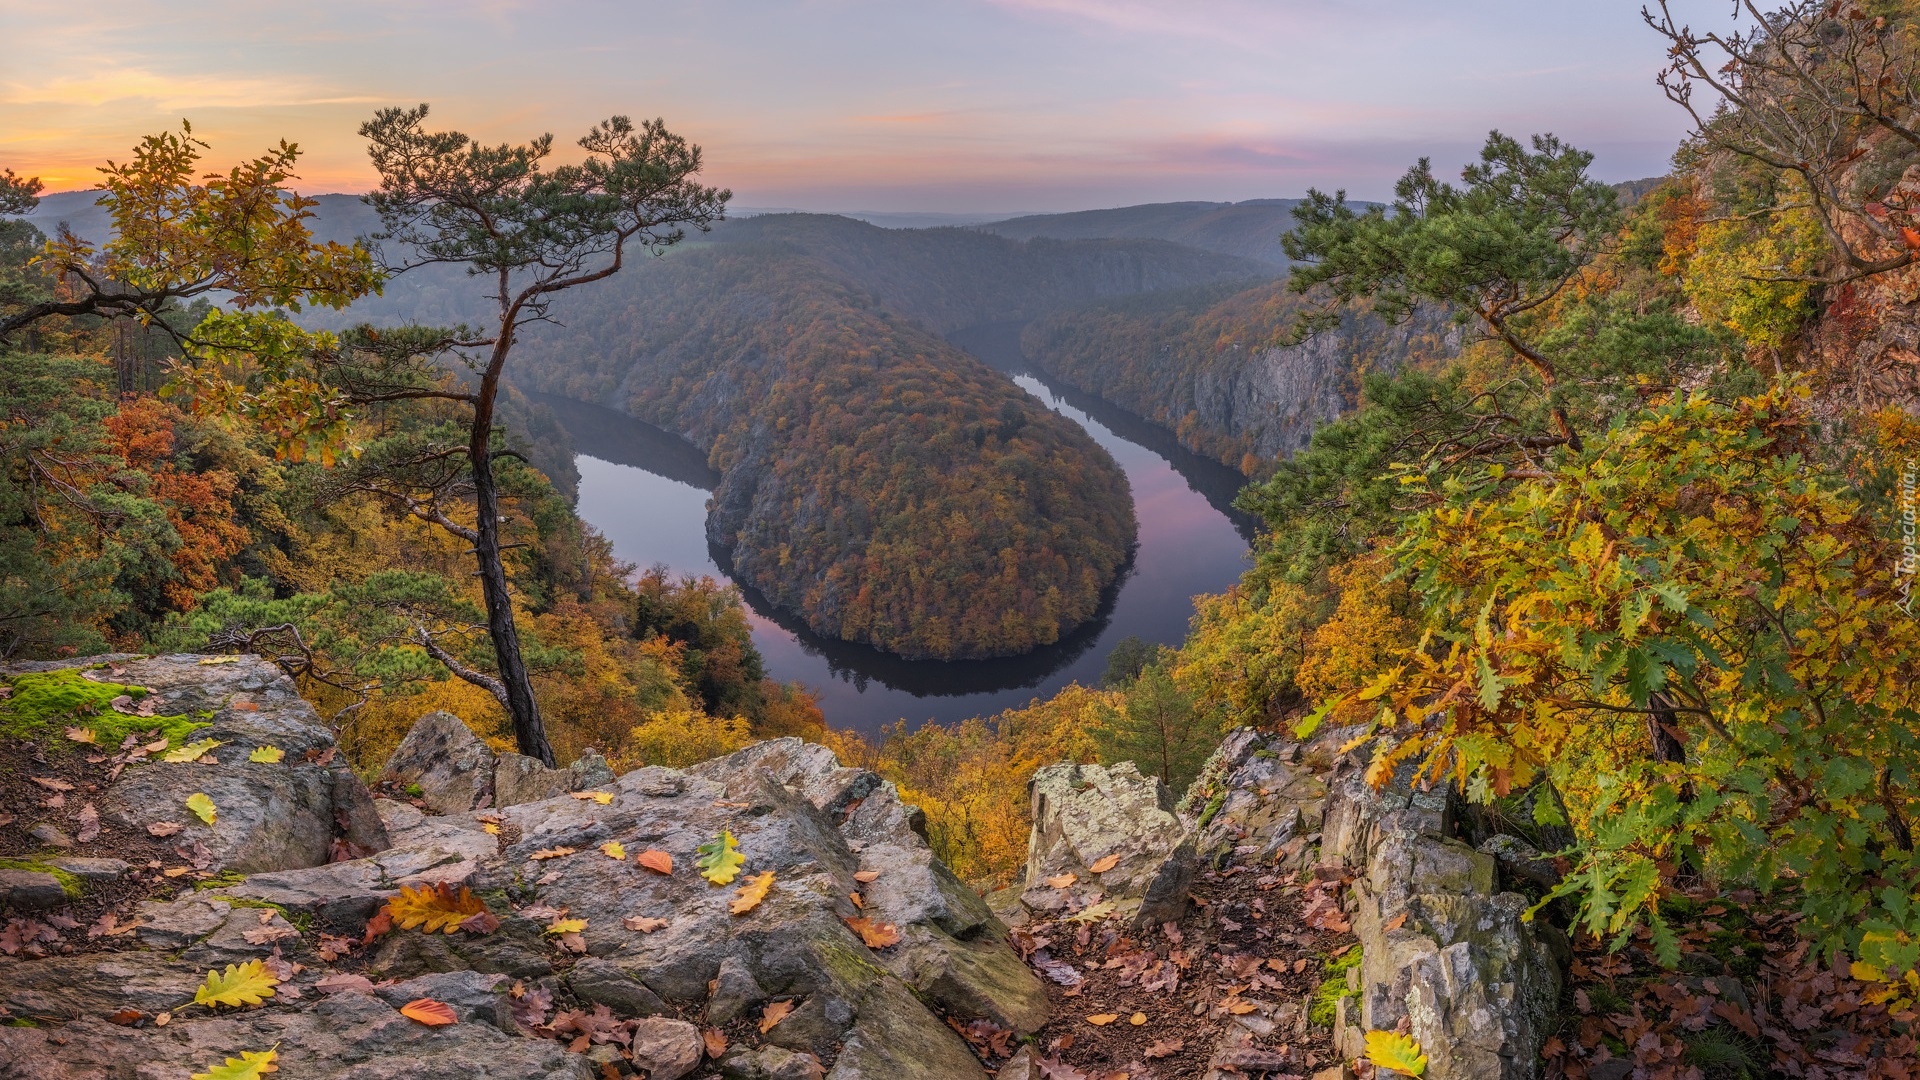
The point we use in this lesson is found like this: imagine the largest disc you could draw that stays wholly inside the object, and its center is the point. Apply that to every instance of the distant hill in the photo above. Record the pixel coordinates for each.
(1249, 230)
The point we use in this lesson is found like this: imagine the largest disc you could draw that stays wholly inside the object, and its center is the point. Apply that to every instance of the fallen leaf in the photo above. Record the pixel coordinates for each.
(244, 706)
(250, 1065)
(164, 828)
(1137, 1019)
(127, 1017)
(566, 926)
(89, 820)
(485, 922)
(750, 893)
(601, 797)
(1093, 912)
(219, 660)
(52, 784)
(490, 828)
(202, 806)
(865, 876)
(643, 924)
(1395, 1052)
(83, 735)
(176, 871)
(716, 1042)
(267, 935)
(775, 1012)
(1163, 1048)
(267, 755)
(241, 984)
(1102, 1019)
(1102, 865)
(857, 902)
(162, 1019)
(550, 853)
(429, 1012)
(434, 909)
(1061, 881)
(1395, 923)
(613, 849)
(657, 861)
(380, 924)
(719, 859)
(876, 935)
(192, 751)
(343, 981)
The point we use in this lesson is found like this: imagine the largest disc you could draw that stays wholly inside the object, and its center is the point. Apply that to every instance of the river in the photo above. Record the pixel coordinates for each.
(646, 491)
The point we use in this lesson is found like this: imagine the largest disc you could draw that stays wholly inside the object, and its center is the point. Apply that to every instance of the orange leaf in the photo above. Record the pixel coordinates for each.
(1061, 881)
(865, 876)
(857, 902)
(657, 861)
(1910, 236)
(876, 935)
(429, 1012)
(776, 1012)
(716, 1042)
(1137, 1019)
(751, 893)
(643, 924)
(1102, 1019)
(550, 853)
(1396, 922)
(1101, 866)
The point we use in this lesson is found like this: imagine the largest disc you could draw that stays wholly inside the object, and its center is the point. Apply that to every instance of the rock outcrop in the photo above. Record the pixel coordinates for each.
(826, 833)
(1114, 818)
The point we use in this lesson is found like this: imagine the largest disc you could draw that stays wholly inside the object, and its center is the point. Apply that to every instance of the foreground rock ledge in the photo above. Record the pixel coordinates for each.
(796, 812)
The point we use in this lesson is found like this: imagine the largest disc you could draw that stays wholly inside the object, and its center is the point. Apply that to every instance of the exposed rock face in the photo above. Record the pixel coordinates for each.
(1443, 948)
(271, 817)
(1084, 814)
(456, 772)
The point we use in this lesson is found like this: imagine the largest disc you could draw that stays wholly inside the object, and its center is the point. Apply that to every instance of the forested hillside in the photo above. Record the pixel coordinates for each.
(1212, 364)
(1249, 229)
(891, 489)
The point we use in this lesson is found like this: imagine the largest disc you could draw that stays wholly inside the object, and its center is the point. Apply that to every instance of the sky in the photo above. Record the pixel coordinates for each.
(959, 106)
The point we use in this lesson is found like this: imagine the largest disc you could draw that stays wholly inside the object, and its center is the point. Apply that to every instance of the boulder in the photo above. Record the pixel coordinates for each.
(1257, 795)
(30, 890)
(1085, 813)
(667, 1049)
(273, 816)
(445, 762)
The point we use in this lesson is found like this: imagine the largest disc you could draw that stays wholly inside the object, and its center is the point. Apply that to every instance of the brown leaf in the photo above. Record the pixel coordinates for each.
(876, 935)
(164, 828)
(1061, 881)
(865, 876)
(1396, 922)
(342, 981)
(485, 922)
(657, 861)
(267, 935)
(429, 1012)
(775, 1012)
(1101, 866)
(52, 784)
(643, 924)
(89, 820)
(550, 853)
(1165, 1048)
(716, 1042)
(376, 926)
(127, 1017)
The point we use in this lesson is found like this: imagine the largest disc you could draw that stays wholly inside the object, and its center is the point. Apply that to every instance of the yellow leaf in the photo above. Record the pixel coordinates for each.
(219, 660)
(267, 755)
(1240, 1008)
(601, 797)
(250, 1065)
(490, 828)
(436, 909)
(1137, 1019)
(1102, 1019)
(82, 734)
(241, 984)
(566, 926)
(1101, 866)
(750, 893)
(1867, 972)
(613, 849)
(202, 806)
(1397, 1053)
(192, 751)
(720, 859)
(550, 853)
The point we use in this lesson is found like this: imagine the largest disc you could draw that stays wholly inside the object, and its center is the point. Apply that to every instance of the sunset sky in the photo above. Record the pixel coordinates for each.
(889, 105)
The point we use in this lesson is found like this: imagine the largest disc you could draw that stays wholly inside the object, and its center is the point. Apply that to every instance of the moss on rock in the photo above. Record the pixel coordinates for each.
(43, 700)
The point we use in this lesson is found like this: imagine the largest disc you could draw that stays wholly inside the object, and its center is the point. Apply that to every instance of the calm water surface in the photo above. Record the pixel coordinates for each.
(646, 490)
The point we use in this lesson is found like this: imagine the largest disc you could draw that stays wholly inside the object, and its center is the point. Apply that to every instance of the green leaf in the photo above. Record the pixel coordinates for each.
(719, 859)
(241, 984)
(250, 1065)
(267, 755)
(192, 751)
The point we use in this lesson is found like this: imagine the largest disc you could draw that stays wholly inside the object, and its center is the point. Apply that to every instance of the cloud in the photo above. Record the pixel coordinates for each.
(174, 93)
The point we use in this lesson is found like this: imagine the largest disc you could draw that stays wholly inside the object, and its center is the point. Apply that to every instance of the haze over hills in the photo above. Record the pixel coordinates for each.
(1249, 230)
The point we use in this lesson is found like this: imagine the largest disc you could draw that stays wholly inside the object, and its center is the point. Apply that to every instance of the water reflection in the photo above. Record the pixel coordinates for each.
(646, 490)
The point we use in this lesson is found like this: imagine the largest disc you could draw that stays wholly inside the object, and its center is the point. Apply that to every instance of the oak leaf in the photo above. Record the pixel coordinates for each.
(267, 755)
(429, 1012)
(164, 828)
(876, 935)
(436, 908)
(241, 984)
(566, 926)
(202, 806)
(715, 1041)
(550, 853)
(601, 797)
(1396, 1053)
(1102, 865)
(1164, 1048)
(657, 861)
(775, 1012)
(250, 1065)
(614, 849)
(643, 924)
(83, 735)
(750, 893)
(719, 859)
(52, 784)
(192, 751)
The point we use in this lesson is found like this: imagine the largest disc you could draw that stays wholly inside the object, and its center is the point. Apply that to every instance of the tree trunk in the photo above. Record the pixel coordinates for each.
(529, 735)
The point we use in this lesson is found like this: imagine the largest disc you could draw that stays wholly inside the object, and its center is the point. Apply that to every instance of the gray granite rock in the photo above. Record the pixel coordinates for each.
(1085, 813)
(446, 761)
(30, 890)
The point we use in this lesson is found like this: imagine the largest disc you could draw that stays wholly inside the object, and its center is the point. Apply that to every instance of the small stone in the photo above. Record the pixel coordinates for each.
(50, 835)
(734, 992)
(667, 1049)
(30, 890)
